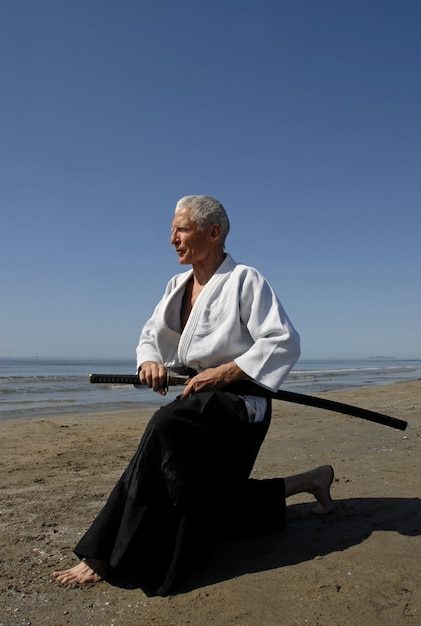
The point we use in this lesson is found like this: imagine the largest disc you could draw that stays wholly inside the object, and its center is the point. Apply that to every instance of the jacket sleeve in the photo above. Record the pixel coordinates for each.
(276, 343)
(146, 349)
(148, 346)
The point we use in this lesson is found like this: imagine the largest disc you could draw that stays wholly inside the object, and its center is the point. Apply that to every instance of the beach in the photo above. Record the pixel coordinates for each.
(362, 564)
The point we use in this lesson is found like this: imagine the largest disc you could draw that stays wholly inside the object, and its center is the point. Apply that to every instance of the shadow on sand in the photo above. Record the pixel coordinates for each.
(305, 537)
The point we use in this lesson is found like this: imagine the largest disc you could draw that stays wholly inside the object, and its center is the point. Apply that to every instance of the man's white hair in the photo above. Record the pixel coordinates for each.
(205, 211)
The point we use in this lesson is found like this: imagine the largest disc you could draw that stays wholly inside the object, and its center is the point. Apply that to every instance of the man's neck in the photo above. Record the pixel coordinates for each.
(203, 272)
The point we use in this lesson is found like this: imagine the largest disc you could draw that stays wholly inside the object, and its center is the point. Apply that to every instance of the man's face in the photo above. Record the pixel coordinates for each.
(190, 243)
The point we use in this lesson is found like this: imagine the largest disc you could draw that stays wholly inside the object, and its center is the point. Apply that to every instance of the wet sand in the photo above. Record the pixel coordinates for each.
(361, 564)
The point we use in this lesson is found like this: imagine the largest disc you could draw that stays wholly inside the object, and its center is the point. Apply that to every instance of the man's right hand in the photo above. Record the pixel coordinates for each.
(154, 376)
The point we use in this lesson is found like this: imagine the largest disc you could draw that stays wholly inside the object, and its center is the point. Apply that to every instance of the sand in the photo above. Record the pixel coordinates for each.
(361, 565)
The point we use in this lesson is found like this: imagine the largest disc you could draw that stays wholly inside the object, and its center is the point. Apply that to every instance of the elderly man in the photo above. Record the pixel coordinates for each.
(189, 480)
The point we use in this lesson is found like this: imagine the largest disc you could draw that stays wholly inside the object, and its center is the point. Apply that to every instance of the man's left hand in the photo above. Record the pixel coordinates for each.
(213, 378)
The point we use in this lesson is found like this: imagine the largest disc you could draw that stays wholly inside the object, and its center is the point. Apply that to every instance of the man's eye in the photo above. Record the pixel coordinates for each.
(181, 229)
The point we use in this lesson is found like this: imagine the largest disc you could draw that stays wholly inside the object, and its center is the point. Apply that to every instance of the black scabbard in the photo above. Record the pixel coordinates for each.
(340, 407)
(250, 388)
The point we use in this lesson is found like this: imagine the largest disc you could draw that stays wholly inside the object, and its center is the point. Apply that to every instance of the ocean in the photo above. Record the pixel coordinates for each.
(35, 387)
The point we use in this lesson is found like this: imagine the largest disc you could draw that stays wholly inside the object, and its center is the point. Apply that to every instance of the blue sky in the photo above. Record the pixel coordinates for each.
(302, 117)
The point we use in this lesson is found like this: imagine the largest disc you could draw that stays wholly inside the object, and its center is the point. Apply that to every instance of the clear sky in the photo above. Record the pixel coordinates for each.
(303, 117)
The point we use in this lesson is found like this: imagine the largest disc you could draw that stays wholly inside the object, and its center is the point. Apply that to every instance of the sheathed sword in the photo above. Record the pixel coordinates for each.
(286, 396)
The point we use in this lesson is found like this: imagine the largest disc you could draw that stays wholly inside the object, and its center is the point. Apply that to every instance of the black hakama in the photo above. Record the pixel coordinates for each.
(187, 484)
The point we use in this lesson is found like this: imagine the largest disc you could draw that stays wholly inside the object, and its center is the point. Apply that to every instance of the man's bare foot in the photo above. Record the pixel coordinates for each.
(87, 571)
(323, 479)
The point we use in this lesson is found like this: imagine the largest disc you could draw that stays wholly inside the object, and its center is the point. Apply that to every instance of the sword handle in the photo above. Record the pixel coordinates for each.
(132, 379)
(114, 379)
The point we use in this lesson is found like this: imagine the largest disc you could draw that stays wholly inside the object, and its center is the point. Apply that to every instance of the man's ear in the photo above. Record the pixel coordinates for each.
(215, 232)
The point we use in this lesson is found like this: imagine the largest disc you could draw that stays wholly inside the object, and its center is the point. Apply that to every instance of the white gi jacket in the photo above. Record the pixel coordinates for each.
(236, 317)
